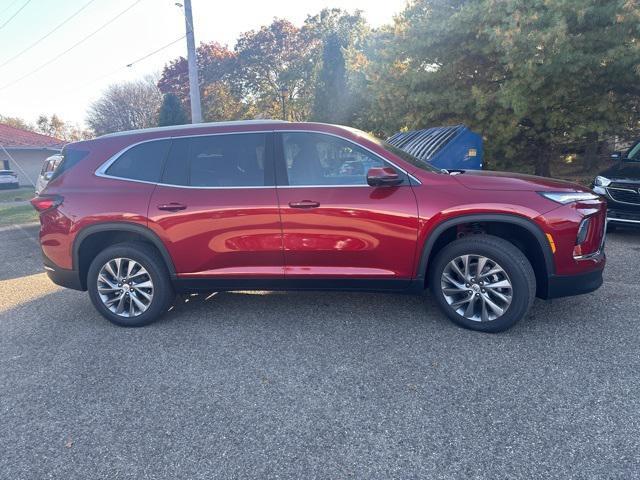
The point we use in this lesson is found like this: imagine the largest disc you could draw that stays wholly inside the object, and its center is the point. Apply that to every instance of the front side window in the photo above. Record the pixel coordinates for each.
(142, 162)
(319, 159)
(232, 160)
(634, 152)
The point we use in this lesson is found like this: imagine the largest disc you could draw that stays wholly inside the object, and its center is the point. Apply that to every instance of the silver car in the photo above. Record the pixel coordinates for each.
(8, 179)
(49, 166)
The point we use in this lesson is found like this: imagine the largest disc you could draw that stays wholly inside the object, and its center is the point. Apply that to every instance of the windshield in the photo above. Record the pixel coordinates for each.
(407, 157)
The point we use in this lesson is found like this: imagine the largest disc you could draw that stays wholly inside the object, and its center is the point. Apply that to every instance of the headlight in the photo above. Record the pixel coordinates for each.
(601, 181)
(569, 197)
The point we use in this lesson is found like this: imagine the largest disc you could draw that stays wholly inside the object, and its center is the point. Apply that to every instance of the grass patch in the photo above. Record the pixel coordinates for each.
(15, 215)
(17, 195)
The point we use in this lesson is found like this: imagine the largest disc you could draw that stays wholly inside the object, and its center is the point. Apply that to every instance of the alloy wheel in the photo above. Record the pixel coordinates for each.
(125, 287)
(477, 287)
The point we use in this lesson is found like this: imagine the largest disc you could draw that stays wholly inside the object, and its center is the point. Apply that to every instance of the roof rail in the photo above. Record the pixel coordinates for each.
(192, 125)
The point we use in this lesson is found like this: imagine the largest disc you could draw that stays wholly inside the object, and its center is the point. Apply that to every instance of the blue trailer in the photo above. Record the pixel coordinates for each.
(452, 148)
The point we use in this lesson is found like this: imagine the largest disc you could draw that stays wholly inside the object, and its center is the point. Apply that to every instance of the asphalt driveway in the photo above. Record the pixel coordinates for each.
(316, 385)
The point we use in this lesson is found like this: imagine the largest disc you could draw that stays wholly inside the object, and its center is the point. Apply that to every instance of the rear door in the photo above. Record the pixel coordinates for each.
(216, 208)
(335, 226)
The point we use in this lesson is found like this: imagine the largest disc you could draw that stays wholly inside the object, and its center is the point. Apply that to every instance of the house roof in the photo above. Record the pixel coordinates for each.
(12, 137)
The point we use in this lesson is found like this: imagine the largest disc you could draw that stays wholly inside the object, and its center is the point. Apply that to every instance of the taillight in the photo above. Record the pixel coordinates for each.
(46, 202)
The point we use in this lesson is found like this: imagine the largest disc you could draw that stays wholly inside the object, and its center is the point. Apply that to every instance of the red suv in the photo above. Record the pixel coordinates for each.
(134, 217)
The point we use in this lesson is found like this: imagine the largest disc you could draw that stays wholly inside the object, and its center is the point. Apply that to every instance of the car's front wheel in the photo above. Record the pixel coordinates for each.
(482, 282)
(129, 284)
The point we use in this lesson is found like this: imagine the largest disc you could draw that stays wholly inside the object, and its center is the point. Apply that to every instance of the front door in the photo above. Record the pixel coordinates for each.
(216, 208)
(334, 224)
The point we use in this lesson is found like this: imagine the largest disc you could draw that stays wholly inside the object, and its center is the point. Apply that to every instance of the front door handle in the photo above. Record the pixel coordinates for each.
(304, 204)
(172, 207)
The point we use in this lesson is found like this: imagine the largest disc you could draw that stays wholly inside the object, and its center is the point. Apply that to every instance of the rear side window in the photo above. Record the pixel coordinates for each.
(233, 160)
(142, 162)
(69, 159)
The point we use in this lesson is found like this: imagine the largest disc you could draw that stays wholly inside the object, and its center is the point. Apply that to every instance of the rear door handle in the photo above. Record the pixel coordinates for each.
(172, 207)
(304, 204)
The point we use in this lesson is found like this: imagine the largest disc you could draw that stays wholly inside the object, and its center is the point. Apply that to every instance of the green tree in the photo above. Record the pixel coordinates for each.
(338, 39)
(273, 61)
(331, 95)
(531, 75)
(171, 111)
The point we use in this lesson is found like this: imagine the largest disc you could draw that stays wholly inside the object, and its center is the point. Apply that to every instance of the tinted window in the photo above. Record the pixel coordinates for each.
(69, 159)
(234, 160)
(317, 159)
(142, 162)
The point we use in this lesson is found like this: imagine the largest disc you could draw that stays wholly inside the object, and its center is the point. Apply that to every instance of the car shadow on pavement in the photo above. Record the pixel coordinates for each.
(285, 309)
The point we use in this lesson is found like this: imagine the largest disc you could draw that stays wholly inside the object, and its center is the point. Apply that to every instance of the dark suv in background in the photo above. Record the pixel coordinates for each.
(620, 184)
(134, 217)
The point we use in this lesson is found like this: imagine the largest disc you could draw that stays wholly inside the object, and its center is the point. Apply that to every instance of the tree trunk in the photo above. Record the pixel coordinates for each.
(543, 162)
(591, 152)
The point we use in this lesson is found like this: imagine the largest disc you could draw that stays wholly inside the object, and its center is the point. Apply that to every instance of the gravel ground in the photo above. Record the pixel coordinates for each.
(316, 385)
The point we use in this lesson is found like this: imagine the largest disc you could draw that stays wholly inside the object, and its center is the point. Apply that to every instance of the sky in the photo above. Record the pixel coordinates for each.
(67, 85)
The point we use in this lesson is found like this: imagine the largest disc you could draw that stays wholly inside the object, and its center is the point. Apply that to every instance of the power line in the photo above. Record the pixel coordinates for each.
(11, 4)
(155, 51)
(49, 62)
(47, 35)
(15, 14)
(113, 72)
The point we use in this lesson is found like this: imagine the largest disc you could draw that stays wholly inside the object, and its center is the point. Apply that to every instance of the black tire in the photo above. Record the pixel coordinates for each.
(146, 256)
(512, 261)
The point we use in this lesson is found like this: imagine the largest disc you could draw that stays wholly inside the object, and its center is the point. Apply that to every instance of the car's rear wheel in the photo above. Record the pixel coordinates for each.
(482, 282)
(129, 284)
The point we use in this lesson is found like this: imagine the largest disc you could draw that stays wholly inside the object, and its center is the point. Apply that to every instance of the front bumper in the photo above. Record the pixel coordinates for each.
(569, 285)
(623, 217)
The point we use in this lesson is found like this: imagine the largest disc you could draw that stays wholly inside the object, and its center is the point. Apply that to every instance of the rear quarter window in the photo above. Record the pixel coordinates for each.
(142, 162)
(70, 158)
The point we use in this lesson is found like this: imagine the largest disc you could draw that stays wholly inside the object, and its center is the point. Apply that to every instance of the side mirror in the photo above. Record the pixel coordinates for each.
(383, 176)
(616, 156)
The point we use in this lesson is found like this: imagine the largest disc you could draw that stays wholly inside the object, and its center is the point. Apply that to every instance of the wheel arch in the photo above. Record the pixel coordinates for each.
(103, 234)
(536, 238)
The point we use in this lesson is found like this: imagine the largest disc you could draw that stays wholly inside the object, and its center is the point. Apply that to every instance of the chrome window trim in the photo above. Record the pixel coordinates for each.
(322, 186)
(102, 169)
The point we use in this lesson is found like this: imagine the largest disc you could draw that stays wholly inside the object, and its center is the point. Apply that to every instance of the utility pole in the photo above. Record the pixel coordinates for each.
(194, 87)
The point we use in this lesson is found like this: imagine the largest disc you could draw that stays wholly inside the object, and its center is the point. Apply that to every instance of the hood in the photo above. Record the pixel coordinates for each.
(484, 180)
(625, 171)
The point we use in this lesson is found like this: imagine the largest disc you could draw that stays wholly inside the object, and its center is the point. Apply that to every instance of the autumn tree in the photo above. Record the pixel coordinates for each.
(16, 122)
(172, 111)
(274, 59)
(126, 106)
